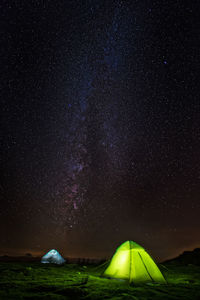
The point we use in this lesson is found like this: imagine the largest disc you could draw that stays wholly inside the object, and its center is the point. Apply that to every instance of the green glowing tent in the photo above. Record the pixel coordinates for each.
(133, 263)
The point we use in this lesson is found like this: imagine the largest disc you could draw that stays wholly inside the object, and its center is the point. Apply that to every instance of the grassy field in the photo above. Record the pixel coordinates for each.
(71, 281)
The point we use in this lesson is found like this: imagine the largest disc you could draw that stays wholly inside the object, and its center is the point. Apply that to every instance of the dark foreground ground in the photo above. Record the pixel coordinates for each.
(33, 280)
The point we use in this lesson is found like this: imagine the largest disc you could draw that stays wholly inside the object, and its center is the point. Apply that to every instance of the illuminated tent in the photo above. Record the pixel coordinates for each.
(133, 263)
(52, 257)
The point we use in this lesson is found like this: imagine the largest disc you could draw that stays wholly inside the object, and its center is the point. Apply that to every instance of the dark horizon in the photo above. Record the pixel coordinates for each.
(100, 127)
(38, 255)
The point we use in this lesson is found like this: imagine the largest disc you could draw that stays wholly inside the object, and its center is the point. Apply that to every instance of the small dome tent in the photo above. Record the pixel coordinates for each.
(52, 257)
(131, 262)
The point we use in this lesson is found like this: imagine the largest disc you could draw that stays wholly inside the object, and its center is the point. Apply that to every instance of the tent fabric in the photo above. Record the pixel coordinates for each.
(52, 257)
(131, 262)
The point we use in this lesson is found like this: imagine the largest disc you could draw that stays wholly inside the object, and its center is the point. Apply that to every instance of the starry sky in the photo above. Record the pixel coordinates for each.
(100, 126)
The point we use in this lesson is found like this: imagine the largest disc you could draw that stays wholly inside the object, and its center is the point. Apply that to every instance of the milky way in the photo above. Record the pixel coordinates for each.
(94, 135)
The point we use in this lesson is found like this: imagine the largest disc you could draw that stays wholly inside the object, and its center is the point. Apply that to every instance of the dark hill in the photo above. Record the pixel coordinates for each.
(187, 257)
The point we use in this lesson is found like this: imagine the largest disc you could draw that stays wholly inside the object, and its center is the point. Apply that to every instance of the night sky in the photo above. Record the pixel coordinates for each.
(100, 126)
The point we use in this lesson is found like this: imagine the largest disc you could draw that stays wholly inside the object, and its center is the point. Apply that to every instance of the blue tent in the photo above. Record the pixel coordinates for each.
(52, 257)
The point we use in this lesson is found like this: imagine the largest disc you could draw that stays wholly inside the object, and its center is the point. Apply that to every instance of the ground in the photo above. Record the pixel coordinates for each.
(33, 280)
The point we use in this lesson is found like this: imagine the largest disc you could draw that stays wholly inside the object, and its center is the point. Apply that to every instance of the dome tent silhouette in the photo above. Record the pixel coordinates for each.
(131, 262)
(53, 257)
